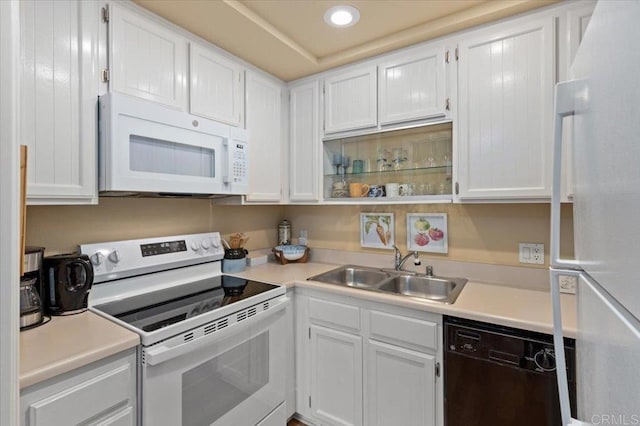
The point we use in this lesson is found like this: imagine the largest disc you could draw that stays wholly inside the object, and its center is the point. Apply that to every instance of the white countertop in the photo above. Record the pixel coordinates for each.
(67, 343)
(499, 304)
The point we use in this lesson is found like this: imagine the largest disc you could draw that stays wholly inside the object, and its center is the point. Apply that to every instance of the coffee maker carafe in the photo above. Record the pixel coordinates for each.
(31, 288)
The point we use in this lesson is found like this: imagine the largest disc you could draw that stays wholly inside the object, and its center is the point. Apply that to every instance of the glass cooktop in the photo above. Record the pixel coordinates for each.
(161, 308)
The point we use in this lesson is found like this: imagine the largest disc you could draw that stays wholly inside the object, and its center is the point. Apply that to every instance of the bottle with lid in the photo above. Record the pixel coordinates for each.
(284, 232)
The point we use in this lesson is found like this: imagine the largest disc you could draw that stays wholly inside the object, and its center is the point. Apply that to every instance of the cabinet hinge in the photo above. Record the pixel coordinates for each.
(323, 125)
(456, 53)
(105, 14)
(447, 104)
(457, 188)
(437, 369)
(309, 338)
(309, 401)
(323, 86)
(446, 57)
(105, 75)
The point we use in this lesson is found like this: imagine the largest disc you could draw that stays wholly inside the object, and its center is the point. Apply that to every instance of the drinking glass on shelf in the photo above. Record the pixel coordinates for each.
(346, 162)
(336, 162)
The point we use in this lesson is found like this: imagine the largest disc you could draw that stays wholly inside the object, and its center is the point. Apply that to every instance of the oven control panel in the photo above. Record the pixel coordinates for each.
(119, 259)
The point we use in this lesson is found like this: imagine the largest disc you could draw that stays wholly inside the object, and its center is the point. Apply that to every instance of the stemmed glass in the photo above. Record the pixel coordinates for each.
(346, 162)
(337, 162)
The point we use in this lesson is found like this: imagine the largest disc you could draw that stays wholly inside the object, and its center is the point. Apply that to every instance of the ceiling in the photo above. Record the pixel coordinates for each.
(289, 39)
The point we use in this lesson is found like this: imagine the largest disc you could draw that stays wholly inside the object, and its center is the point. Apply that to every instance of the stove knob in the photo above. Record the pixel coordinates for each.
(205, 244)
(97, 258)
(114, 256)
(215, 243)
(194, 245)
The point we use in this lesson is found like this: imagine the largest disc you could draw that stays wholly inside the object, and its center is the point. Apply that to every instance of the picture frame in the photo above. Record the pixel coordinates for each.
(377, 230)
(427, 232)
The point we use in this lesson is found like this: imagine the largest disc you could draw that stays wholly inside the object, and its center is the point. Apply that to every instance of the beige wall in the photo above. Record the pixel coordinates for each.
(61, 228)
(486, 233)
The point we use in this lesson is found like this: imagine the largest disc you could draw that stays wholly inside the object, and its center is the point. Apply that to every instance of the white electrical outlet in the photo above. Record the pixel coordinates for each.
(568, 284)
(532, 253)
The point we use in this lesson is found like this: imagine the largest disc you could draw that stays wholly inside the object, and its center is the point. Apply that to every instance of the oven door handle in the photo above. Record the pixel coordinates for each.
(163, 352)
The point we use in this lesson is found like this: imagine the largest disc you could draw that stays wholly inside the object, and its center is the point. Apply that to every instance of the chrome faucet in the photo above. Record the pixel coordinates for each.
(399, 260)
(429, 271)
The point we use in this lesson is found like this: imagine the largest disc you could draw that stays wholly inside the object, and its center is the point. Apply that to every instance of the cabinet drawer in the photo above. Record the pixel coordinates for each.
(407, 332)
(86, 400)
(334, 315)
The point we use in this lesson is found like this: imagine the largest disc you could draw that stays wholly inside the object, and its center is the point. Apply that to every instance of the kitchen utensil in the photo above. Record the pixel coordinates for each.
(284, 232)
(358, 189)
(376, 191)
(31, 288)
(30, 303)
(234, 260)
(392, 189)
(358, 166)
(68, 279)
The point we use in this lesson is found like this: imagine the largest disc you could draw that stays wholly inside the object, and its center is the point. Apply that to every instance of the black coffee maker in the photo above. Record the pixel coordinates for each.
(68, 279)
(32, 288)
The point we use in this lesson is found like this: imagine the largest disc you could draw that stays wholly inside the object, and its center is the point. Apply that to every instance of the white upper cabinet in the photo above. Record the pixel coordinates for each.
(506, 78)
(147, 60)
(412, 86)
(216, 88)
(304, 139)
(264, 109)
(58, 99)
(350, 100)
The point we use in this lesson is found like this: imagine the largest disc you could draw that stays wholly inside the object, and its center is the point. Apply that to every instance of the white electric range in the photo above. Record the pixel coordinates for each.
(212, 349)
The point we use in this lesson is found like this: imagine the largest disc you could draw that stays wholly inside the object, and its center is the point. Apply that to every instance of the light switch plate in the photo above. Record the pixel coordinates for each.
(532, 253)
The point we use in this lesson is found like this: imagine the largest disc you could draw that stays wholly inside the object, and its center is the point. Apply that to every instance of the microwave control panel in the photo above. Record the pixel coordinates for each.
(238, 164)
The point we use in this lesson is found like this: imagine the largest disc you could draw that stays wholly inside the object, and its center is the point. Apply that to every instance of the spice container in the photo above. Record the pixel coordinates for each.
(284, 232)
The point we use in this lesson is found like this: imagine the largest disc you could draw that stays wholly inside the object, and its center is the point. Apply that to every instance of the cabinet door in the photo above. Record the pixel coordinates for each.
(401, 386)
(304, 121)
(412, 87)
(336, 377)
(506, 77)
(350, 100)
(146, 59)
(216, 89)
(264, 100)
(58, 99)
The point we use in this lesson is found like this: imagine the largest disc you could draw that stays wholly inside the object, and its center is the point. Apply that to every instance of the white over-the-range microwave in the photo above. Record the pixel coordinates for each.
(150, 149)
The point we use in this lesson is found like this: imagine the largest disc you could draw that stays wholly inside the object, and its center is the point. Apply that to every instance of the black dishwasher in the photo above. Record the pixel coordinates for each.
(502, 376)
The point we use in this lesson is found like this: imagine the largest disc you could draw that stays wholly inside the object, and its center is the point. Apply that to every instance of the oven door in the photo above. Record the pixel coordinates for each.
(235, 375)
(145, 147)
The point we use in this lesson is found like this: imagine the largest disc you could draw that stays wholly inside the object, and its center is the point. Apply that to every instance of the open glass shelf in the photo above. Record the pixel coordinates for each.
(400, 165)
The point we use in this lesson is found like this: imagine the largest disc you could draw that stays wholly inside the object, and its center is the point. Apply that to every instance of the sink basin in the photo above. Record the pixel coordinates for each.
(353, 276)
(432, 288)
(437, 289)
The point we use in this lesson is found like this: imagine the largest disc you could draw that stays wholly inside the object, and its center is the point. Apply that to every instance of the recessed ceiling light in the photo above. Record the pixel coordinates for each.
(342, 16)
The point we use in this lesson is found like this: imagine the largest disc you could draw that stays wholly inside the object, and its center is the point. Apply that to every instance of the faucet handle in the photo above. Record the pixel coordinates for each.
(429, 271)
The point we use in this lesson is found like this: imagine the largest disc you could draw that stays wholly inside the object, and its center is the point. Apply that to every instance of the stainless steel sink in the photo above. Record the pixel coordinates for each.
(433, 288)
(353, 276)
(438, 289)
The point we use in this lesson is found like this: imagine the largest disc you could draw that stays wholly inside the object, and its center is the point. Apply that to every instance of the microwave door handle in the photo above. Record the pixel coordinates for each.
(226, 160)
(162, 353)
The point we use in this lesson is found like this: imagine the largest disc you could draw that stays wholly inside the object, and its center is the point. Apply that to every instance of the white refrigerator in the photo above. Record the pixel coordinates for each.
(603, 101)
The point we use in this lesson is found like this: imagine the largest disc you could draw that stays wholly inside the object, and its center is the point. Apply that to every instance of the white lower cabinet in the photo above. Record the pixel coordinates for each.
(336, 376)
(367, 363)
(400, 386)
(102, 393)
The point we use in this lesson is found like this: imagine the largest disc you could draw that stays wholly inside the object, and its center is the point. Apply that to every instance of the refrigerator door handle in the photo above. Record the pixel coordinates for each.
(566, 95)
(558, 343)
